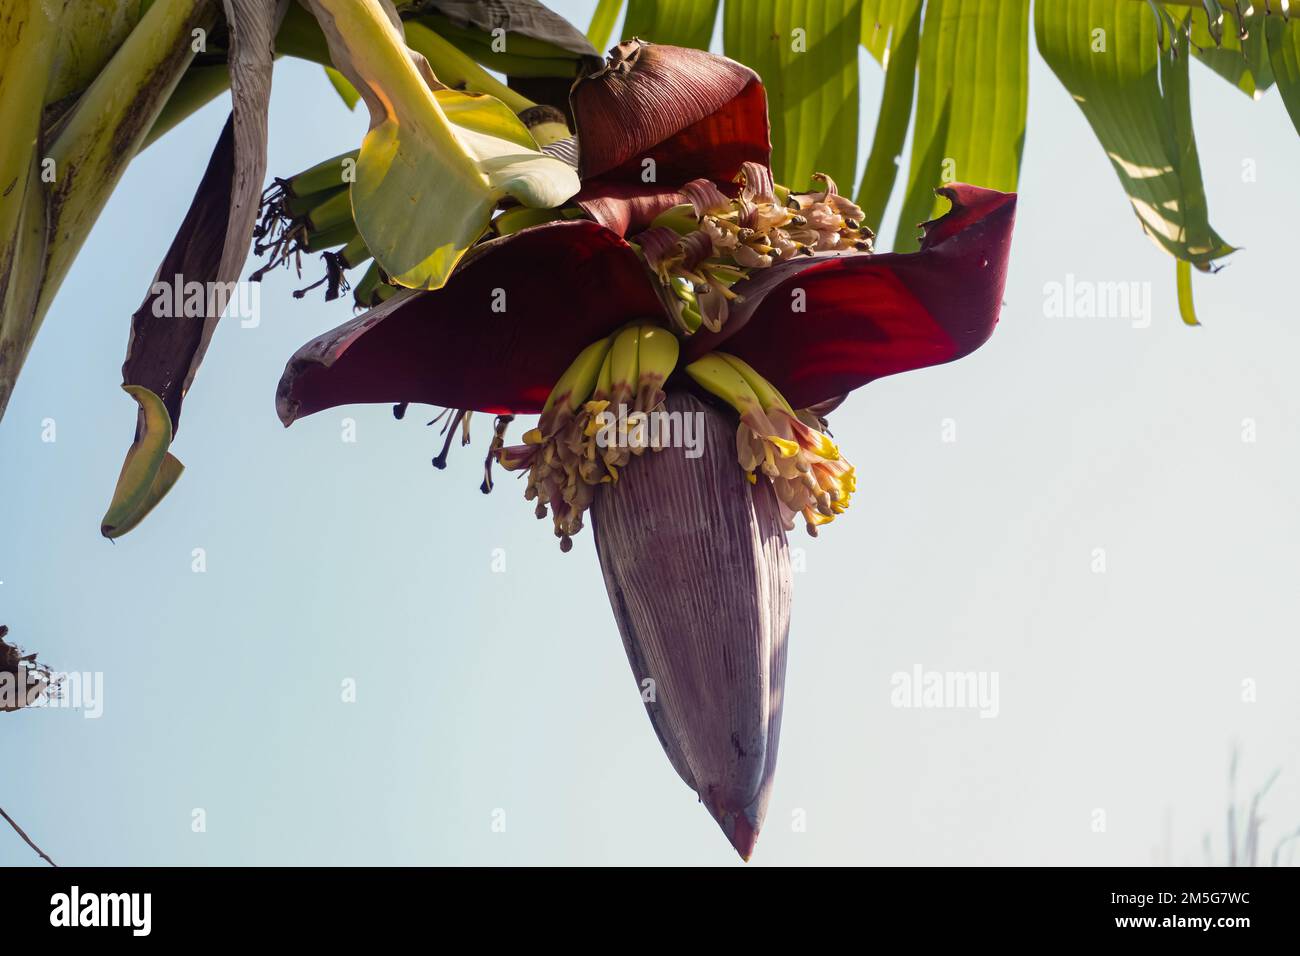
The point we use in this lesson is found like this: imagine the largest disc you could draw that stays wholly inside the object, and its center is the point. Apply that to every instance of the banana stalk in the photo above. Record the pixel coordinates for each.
(198, 87)
(353, 254)
(25, 258)
(90, 32)
(76, 164)
(28, 34)
(28, 40)
(110, 121)
(330, 237)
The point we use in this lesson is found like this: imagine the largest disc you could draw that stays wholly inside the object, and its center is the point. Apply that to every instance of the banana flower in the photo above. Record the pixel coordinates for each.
(683, 281)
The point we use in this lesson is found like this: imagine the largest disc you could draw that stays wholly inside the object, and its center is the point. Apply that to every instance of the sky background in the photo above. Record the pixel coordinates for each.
(480, 691)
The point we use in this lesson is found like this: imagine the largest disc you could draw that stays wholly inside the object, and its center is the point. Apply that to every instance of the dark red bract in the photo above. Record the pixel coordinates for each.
(518, 309)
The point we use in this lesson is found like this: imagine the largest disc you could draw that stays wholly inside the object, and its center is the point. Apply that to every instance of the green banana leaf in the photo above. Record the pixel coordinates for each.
(677, 22)
(1134, 93)
(1284, 55)
(346, 91)
(891, 32)
(167, 343)
(806, 53)
(971, 102)
(880, 19)
(602, 22)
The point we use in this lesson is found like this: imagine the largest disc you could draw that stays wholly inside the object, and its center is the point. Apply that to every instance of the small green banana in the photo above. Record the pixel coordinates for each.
(624, 364)
(575, 385)
(324, 176)
(657, 352)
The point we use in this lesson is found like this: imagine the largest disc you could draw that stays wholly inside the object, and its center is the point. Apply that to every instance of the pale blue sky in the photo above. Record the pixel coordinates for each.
(480, 690)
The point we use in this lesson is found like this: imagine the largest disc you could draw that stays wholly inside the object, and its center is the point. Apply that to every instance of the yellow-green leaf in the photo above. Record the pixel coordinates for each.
(457, 69)
(169, 472)
(971, 101)
(435, 164)
(602, 22)
(95, 145)
(141, 483)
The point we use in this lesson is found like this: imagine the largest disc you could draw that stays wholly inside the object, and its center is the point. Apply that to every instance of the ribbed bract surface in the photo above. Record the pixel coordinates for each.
(698, 573)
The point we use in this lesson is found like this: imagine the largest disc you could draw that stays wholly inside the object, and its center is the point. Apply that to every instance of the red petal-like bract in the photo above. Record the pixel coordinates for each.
(495, 338)
(626, 208)
(695, 114)
(698, 575)
(818, 327)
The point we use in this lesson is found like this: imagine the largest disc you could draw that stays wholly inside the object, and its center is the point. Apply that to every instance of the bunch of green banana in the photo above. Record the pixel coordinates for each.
(807, 472)
(312, 212)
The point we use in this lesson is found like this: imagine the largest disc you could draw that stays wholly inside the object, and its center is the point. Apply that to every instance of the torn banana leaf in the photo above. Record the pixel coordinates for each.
(1243, 62)
(168, 338)
(1127, 71)
(436, 162)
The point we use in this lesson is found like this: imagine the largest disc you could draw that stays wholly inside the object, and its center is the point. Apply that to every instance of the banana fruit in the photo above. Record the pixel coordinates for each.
(720, 378)
(657, 353)
(578, 380)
